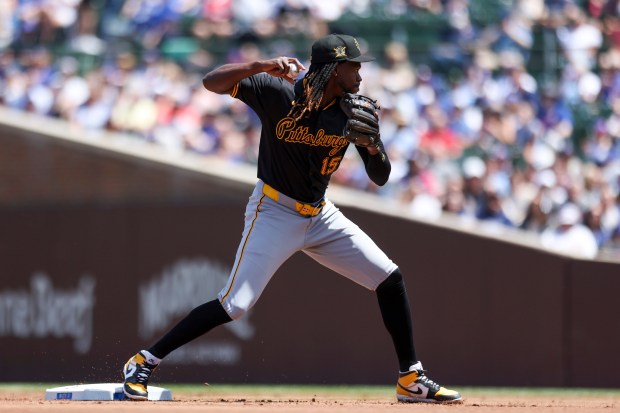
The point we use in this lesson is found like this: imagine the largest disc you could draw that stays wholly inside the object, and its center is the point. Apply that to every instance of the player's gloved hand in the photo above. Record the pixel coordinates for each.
(362, 128)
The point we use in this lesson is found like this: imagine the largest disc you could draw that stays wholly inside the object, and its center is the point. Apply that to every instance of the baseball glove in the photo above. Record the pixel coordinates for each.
(362, 128)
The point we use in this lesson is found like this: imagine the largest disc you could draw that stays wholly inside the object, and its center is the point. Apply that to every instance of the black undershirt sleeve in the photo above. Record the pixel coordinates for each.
(377, 166)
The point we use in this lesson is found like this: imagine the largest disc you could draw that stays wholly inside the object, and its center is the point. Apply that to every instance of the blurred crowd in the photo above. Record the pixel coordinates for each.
(471, 129)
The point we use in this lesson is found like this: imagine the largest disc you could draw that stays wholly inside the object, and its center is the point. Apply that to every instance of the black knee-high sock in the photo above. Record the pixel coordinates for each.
(396, 314)
(198, 322)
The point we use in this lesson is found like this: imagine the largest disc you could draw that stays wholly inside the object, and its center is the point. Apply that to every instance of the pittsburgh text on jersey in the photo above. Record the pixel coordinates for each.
(288, 130)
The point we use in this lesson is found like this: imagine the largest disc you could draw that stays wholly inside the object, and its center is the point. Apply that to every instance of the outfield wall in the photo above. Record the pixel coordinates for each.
(102, 251)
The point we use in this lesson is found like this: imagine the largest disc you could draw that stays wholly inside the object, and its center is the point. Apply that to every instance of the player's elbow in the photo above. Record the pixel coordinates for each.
(381, 180)
(213, 85)
(380, 177)
(208, 84)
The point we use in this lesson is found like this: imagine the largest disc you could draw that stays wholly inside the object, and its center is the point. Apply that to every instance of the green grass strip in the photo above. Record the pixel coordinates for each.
(356, 391)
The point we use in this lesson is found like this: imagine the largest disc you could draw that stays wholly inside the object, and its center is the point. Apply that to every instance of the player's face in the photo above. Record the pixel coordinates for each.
(348, 77)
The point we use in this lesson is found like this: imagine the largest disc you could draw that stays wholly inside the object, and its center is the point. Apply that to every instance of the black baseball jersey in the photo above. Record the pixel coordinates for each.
(298, 158)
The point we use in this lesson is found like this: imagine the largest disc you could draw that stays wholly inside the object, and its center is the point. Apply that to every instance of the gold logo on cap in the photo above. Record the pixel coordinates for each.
(341, 51)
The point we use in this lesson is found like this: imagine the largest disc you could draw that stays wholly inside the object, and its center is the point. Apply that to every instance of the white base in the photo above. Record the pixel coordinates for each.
(101, 391)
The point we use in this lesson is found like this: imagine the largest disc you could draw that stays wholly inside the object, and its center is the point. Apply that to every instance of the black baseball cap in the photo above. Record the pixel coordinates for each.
(337, 48)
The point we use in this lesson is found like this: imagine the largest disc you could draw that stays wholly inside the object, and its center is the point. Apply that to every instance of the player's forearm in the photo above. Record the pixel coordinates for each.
(377, 164)
(222, 79)
(378, 168)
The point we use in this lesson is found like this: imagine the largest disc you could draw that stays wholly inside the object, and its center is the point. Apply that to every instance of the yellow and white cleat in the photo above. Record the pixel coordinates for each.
(414, 386)
(137, 372)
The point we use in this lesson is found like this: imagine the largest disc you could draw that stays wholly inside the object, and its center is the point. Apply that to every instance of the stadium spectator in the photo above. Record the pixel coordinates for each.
(569, 235)
(471, 130)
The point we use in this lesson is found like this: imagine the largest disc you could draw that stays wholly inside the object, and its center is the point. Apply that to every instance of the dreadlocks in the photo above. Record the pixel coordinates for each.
(314, 86)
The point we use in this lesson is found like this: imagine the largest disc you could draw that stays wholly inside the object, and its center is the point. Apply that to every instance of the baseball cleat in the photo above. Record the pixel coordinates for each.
(136, 373)
(414, 386)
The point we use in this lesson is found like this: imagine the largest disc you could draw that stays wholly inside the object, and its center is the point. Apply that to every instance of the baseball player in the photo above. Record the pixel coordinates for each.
(302, 144)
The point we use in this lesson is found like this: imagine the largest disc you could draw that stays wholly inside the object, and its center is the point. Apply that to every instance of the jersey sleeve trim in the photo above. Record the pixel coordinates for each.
(235, 90)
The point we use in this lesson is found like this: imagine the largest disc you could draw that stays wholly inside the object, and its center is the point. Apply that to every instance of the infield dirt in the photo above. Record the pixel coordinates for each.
(27, 401)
